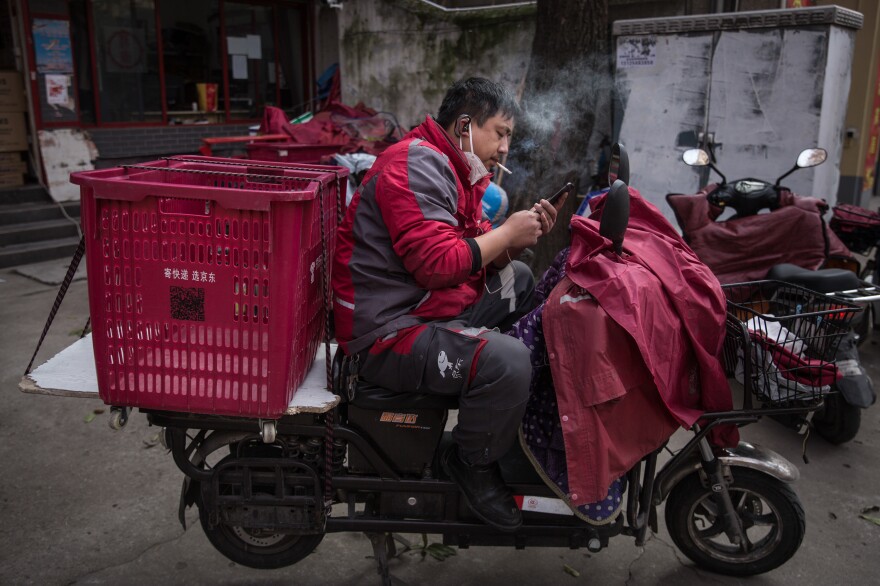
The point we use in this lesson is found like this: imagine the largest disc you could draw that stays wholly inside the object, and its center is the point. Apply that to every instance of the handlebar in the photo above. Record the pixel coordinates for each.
(746, 196)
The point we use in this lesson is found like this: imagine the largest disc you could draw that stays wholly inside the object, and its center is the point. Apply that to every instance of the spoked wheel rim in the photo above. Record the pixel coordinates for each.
(762, 525)
(259, 538)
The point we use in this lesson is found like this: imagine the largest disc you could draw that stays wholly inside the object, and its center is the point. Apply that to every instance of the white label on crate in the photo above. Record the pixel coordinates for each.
(541, 504)
(189, 275)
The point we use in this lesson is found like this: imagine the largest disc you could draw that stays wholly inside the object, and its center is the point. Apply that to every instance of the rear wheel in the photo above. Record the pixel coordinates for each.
(769, 510)
(262, 549)
(838, 422)
(258, 548)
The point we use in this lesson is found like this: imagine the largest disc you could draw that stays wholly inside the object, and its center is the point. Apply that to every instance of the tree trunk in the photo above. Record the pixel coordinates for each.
(569, 69)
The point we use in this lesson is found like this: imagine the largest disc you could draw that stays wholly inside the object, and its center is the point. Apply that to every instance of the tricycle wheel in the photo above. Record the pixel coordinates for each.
(770, 512)
(838, 422)
(256, 548)
(118, 418)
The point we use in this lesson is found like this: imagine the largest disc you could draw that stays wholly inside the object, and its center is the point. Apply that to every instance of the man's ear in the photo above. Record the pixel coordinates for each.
(462, 125)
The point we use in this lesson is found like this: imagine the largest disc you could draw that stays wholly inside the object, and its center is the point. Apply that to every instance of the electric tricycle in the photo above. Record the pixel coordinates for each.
(346, 455)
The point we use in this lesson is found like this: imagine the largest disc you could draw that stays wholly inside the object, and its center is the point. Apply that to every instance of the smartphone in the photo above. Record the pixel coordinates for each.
(562, 191)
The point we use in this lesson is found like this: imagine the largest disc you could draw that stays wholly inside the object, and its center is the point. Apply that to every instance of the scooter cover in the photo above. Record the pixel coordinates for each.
(744, 249)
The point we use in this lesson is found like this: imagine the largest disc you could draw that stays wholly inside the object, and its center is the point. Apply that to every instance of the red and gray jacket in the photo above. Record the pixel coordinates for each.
(405, 252)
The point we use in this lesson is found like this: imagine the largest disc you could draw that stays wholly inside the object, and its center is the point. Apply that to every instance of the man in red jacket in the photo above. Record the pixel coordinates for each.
(420, 281)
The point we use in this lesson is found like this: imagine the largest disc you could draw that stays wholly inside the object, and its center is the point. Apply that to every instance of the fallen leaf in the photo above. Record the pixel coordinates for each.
(570, 571)
(874, 520)
(98, 411)
(151, 442)
(832, 516)
(874, 509)
(439, 551)
(90, 417)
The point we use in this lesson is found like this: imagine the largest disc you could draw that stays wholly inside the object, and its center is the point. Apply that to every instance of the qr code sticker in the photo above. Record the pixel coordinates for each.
(188, 303)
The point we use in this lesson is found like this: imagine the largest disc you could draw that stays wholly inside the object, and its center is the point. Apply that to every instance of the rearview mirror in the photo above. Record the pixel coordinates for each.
(697, 157)
(811, 158)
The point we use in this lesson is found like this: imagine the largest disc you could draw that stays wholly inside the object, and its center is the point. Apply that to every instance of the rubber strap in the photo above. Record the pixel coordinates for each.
(68, 278)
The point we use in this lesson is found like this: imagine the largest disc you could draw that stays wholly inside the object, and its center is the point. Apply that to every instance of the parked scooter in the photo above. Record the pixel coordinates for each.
(859, 229)
(776, 234)
(264, 493)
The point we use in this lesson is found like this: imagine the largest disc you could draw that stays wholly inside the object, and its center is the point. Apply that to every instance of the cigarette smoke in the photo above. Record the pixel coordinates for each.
(566, 114)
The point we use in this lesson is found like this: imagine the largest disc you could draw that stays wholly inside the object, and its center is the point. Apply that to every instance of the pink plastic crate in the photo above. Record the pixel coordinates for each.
(204, 279)
(290, 152)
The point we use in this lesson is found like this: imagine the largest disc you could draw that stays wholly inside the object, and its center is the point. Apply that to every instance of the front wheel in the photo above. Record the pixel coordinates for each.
(838, 422)
(769, 510)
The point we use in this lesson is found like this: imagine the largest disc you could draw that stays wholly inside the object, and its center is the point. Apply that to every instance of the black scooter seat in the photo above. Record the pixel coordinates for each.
(821, 281)
(370, 396)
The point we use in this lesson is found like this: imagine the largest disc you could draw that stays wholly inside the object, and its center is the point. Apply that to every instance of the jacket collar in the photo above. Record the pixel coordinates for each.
(433, 133)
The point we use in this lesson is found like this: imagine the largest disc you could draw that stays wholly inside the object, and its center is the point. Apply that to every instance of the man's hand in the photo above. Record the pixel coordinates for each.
(547, 213)
(522, 229)
(519, 231)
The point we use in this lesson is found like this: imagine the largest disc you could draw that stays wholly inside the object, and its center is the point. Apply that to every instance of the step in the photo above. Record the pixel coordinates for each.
(35, 231)
(32, 193)
(36, 212)
(22, 254)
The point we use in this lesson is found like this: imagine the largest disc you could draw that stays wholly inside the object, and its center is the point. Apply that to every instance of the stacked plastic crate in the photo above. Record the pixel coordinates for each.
(208, 280)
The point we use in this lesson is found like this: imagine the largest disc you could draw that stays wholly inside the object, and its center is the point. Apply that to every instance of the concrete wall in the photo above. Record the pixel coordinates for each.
(765, 91)
(326, 38)
(400, 56)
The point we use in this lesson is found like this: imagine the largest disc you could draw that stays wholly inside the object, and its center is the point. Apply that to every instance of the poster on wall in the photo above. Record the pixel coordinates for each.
(53, 56)
(637, 51)
(56, 90)
(52, 46)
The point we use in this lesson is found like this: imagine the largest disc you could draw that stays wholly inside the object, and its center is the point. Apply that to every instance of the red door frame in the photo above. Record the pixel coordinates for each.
(308, 13)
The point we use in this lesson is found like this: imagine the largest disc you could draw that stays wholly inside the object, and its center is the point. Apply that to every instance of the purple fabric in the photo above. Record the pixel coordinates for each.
(541, 426)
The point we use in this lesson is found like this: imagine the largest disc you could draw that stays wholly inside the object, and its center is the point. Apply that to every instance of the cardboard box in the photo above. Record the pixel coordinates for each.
(11, 179)
(13, 133)
(12, 163)
(10, 159)
(12, 96)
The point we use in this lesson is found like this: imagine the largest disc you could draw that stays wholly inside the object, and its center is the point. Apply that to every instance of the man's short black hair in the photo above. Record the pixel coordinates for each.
(478, 97)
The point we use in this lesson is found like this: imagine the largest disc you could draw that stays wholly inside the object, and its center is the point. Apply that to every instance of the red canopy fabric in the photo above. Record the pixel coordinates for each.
(352, 129)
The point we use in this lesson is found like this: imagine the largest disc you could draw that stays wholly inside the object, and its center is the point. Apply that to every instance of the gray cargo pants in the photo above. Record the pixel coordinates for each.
(493, 392)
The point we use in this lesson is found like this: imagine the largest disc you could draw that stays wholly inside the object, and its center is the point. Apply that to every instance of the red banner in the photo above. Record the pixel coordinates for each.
(873, 137)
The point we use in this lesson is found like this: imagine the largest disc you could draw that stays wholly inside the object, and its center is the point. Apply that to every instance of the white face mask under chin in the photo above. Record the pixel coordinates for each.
(478, 169)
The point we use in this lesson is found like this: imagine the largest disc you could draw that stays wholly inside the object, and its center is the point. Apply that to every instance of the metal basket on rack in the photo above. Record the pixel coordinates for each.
(782, 339)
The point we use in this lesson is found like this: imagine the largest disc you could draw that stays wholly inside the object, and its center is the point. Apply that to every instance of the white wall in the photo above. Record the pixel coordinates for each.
(765, 93)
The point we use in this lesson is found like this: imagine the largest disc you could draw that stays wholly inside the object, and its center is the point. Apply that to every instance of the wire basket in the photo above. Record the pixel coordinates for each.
(782, 340)
(857, 228)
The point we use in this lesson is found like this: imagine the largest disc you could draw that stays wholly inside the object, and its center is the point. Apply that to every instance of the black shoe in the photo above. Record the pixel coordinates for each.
(484, 491)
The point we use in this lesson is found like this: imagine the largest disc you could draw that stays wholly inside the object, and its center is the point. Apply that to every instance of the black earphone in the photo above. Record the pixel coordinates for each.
(467, 124)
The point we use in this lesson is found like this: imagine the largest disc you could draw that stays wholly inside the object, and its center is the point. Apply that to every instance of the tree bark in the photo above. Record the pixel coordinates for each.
(569, 69)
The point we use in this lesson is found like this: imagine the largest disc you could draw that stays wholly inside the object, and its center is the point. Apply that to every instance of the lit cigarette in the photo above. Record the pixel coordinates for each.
(505, 169)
